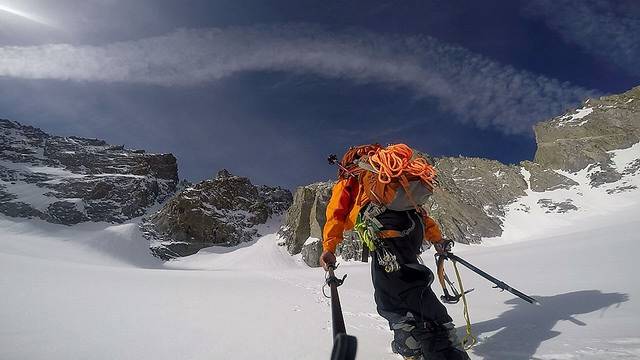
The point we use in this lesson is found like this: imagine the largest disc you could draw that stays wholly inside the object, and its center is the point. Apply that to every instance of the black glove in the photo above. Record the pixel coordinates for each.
(444, 246)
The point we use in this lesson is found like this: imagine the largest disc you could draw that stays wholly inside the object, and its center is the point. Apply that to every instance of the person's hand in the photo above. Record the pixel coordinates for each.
(327, 259)
(444, 246)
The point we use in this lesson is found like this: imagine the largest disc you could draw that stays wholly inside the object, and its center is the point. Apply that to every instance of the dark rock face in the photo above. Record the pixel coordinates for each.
(603, 173)
(224, 211)
(68, 180)
(557, 207)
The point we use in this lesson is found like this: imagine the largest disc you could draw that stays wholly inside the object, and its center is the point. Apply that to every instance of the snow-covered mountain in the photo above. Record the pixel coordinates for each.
(69, 180)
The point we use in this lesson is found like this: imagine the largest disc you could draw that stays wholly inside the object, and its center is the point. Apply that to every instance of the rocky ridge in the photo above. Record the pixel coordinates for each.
(585, 137)
(223, 211)
(69, 180)
(474, 194)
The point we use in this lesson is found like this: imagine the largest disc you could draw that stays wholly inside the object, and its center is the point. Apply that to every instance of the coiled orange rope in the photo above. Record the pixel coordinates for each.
(394, 160)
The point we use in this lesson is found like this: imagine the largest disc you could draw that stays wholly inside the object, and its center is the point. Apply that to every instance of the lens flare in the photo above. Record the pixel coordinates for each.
(26, 15)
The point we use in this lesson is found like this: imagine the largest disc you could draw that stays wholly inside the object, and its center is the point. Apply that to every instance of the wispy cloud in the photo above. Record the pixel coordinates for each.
(607, 29)
(472, 86)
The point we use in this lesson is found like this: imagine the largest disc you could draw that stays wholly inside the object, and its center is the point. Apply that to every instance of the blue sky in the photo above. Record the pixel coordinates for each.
(267, 89)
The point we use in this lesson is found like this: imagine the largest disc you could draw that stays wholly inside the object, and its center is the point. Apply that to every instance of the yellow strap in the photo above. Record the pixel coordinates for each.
(469, 340)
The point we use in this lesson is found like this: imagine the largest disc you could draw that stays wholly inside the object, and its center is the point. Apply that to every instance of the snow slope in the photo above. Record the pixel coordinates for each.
(93, 292)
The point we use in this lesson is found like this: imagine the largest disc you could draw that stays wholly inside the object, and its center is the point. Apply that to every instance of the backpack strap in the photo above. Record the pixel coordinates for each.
(404, 182)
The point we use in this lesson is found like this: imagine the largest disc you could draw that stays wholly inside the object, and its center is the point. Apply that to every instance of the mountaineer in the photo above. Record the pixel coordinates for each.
(379, 195)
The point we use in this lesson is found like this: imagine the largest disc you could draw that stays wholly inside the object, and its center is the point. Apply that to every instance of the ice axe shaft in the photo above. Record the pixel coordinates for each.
(500, 284)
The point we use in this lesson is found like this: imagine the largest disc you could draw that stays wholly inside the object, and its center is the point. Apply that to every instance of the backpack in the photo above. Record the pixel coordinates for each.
(394, 177)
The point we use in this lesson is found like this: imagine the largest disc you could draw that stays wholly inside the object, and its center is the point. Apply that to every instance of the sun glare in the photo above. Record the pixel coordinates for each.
(26, 15)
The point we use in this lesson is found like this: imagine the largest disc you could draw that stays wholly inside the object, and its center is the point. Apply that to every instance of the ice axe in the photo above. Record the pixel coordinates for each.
(454, 296)
(333, 160)
(499, 284)
(344, 346)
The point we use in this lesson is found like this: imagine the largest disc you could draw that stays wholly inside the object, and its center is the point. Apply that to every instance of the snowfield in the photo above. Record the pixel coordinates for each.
(92, 291)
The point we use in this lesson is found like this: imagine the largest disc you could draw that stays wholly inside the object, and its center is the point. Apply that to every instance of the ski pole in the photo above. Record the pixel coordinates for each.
(344, 346)
(500, 284)
(336, 309)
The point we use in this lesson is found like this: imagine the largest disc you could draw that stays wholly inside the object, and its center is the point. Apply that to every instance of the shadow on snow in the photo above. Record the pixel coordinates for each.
(524, 327)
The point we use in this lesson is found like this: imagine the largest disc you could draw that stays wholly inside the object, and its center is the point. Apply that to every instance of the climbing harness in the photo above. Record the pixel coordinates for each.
(367, 225)
(369, 230)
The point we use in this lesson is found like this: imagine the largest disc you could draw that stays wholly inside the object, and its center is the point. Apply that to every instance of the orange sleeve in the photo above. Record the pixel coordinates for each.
(342, 199)
(432, 231)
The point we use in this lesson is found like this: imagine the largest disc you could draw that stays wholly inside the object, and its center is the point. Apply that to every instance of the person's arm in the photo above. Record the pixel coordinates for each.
(342, 199)
(432, 231)
(433, 235)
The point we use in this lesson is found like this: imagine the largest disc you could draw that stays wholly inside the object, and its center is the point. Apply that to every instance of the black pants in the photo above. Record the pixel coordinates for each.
(405, 296)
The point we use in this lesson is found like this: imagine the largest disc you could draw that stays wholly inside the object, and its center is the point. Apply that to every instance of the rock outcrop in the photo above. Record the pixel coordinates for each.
(306, 216)
(223, 211)
(471, 198)
(544, 179)
(68, 180)
(584, 137)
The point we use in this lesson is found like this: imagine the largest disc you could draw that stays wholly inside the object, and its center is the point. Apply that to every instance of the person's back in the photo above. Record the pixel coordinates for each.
(388, 218)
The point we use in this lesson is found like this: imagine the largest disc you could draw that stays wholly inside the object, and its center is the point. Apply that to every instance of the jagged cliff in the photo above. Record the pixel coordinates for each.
(474, 194)
(223, 211)
(68, 180)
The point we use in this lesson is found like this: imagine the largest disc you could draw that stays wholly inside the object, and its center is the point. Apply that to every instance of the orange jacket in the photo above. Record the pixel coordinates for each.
(347, 198)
